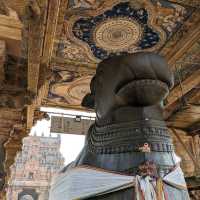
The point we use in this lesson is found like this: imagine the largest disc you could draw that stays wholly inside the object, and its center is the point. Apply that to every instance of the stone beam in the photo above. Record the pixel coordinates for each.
(51, 21)
(2, 59)
(42, 30)
(49, 37)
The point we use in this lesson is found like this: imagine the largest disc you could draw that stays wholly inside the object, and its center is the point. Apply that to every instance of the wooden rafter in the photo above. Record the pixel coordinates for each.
(187, 85)
(35, 41)
(192, 97)
(195, 95)
(189, 38)
(185, 117)
(194, 128)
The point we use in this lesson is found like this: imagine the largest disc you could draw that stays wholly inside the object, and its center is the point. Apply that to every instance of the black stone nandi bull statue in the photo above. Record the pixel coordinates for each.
(129, 136)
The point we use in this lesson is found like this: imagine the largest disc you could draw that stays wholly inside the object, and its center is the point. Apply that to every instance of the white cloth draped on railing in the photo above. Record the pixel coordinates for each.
(83, 182)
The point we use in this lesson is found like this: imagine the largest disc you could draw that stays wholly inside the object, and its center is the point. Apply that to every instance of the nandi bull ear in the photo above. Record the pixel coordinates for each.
(88, 100)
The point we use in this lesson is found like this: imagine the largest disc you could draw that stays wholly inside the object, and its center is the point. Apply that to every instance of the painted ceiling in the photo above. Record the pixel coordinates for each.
(94, 30)
(59, 43)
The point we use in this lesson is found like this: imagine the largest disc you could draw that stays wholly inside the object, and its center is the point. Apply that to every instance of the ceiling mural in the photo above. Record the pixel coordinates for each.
(68, 88)
(100, 30)
(94, 30)
(71, 51)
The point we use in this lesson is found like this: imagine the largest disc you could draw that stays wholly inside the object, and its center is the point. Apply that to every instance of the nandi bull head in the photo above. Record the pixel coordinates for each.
(140, 79)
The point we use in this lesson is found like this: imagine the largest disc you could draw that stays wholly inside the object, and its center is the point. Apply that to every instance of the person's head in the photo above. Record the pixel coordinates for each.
(139, 79)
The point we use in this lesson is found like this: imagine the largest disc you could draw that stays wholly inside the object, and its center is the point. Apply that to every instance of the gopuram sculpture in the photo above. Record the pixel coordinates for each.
(128, 152)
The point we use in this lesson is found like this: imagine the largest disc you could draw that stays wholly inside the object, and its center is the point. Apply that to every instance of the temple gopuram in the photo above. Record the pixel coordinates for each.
(31, 175)
(50, 49)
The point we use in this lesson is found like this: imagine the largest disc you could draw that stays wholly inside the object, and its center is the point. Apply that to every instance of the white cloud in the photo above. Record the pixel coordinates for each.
(71, 146)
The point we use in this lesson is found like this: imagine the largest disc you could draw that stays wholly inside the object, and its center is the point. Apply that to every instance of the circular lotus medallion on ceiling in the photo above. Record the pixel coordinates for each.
(117, 34)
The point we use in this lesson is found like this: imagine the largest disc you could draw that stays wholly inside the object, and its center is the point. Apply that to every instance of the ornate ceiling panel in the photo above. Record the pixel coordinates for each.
(118, 27)
(94, 30)
(67, 88)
